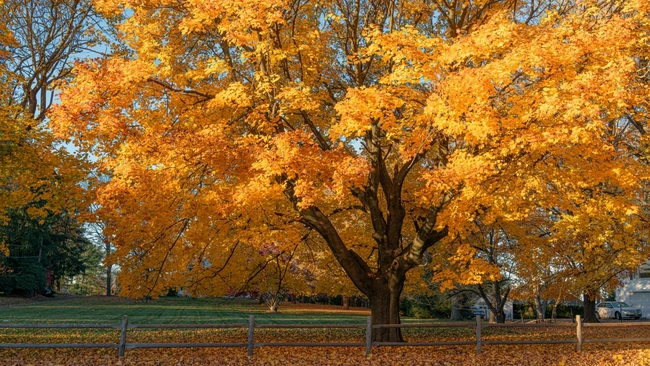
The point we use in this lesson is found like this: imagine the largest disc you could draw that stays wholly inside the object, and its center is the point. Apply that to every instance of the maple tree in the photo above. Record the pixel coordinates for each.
(275, 270)
(595, 258)
(38, 40)
(493, 264)
(41, 196)
(547, 255)
(387, 128)
(96, 231)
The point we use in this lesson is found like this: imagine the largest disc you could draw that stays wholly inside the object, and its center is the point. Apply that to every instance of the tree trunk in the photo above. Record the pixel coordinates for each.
(554, 312)
(384, 285)
(109, 280)
(455, 309)
(109, 267)
(589, 307)
(540, 307)
(492, 313)
(273, 300)
(496, 302)
(346, 302)
(384, 309)
(274, 307)
(501, 316)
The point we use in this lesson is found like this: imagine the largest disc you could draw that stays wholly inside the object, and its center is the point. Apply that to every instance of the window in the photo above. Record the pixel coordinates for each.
(644, 270)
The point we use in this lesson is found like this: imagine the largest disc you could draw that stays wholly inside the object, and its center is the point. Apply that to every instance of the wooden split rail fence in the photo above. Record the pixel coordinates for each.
(251, 325)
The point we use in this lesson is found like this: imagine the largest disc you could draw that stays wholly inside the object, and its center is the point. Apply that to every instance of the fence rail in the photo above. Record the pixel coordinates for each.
(185, 326)
(369, 343)
(51, 326)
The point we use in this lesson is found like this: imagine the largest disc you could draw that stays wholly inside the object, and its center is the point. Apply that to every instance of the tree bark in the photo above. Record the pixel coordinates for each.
(109, 268)
(540, 307)
(109, 280)
(589, 306)
(492, 313)
(382, 282)
(455, 309)
(384, 309)
(346, 302)
(273, 300)
(496, 302)
(554, 312)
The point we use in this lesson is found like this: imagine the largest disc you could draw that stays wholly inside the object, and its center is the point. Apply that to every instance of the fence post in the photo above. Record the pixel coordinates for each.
(369, 336)
(125, 324)
(251, 329)
(579, 333)
(478, 334)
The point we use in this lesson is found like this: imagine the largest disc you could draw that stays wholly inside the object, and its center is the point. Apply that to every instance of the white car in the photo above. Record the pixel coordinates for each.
(477, 310)
(616, 310)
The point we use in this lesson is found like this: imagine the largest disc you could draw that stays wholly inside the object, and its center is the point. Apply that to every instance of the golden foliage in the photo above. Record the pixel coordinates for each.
(231, 122)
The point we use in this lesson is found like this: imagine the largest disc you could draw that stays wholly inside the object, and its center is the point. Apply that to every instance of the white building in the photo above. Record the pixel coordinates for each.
(636, 290)
(507, 308)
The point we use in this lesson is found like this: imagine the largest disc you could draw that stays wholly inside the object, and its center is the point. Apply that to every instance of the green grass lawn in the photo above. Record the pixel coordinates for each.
(184, 310)
(173, 310)
(165, 311)
(177, 310)
(97, 309)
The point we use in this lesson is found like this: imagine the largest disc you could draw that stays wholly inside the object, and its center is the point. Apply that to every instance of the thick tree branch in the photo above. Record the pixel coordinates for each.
(355, 267)
(322, 140)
